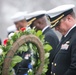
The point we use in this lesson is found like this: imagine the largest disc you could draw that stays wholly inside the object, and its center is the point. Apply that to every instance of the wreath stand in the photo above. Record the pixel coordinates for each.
(23, 39)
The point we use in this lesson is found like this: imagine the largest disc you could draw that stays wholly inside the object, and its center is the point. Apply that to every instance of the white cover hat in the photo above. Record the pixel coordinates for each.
(60, 9)
(35, 14)
(59, 12)
(11, 28)
(31, 17)
(18, 16)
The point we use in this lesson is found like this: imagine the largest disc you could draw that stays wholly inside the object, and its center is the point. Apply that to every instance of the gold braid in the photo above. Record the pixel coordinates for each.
(57, 19)
(30, 22)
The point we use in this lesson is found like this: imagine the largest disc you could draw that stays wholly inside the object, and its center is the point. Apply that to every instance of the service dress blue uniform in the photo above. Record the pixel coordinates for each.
(65, 60)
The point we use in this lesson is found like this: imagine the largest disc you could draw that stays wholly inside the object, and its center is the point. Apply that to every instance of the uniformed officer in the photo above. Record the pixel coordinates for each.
(64, 20)
(40, 22)
(19, 20)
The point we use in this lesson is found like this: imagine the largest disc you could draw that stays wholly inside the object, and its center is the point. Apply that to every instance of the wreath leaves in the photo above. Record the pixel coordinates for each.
(16, 59)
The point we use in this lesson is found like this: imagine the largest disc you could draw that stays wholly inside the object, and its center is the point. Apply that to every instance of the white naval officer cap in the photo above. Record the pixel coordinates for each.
(56, 14)
(31, 17)
(18, 16)
(35, 14)
(11, 29)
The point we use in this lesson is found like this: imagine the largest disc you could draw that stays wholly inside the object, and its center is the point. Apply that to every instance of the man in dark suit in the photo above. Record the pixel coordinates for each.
(64, 21)
(41, 23)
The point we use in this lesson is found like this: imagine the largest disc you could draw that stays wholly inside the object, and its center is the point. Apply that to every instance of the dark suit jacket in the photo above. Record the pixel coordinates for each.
(65, 60)
(52, 39)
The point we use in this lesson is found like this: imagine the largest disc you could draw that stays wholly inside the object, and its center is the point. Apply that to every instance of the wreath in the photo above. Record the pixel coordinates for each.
(32, 45)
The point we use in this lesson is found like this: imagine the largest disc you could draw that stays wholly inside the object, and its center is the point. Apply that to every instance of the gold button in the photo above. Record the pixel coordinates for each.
(55, 64)
(51, 72)
(52, 63)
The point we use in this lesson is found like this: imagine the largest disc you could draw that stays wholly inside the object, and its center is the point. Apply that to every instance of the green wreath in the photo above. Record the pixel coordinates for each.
(19, 42)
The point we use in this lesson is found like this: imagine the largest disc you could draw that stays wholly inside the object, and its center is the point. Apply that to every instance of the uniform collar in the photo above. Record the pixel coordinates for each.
(69, 30)
(45, 28)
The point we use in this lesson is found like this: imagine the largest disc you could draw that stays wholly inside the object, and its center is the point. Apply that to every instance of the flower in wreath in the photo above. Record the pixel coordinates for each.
(5, 41)
(23, 29)
(10, 35)
(1, 51)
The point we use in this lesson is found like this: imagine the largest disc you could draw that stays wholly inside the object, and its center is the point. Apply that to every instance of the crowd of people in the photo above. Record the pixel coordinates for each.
(62, 59)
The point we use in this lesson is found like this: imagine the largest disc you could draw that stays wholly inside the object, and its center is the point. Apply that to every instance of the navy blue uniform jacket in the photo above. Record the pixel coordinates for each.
(65, 60)
(53, 40)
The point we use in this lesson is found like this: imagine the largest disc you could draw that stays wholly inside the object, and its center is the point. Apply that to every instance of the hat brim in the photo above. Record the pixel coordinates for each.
(55, 24)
